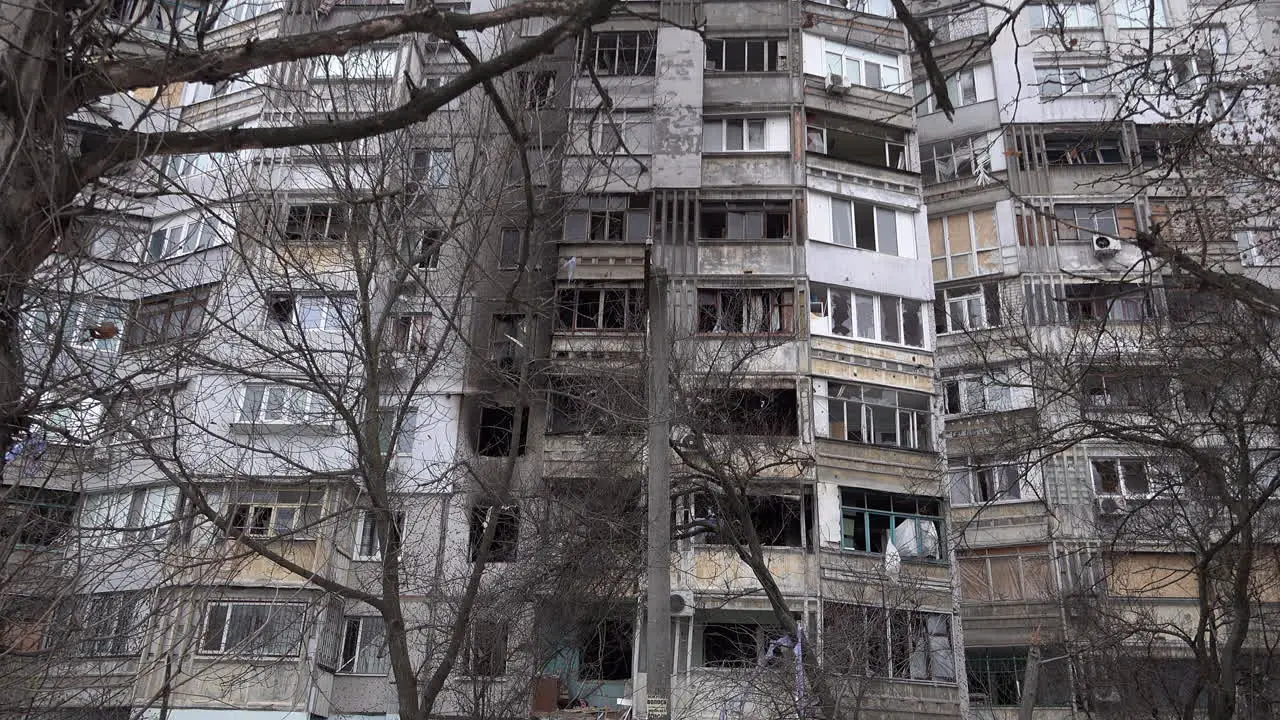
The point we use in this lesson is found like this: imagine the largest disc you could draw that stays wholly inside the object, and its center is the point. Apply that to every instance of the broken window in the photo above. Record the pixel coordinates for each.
(1112, 302)
(609, 218)
(983, 480)
(310, 312)
(743, 55)
(965, 244)
(1055, 81)
(777, 521)
(1188, 302)
(858, 143)
(882, 318)
(1084, 222)
(274, 513)
(364, 646)
(736, 645)
(509, 252)
(486, 652)
(494, 436)
(1121, 476)
(1113, 390)
(164, 318)
(435, 167)
(607, 650)
(746, 311)
(506, 535)
(747, 412)
(537, 88)
(955, 159)
(589, 307)
(618, 53)
(744, 221)
(863, 640)
(1062, 16)
(976, 395)
(411, 333)
(1081, 149)
(33, 516)
(318, 224)
(507, 343)
(593, 407)
(421, 248)
(872, 520)
(102, 624)
(878, 416)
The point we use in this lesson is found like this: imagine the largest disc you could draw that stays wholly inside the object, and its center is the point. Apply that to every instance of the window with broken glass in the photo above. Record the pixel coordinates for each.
(609, 218)
(878, 416)
(274, 513)
(1106, 302)
(1126, 477)
(955, 159)
(744, 220)
(590, 307)
(873, 520)
(863, 640)
(749, 312)
(977, 480)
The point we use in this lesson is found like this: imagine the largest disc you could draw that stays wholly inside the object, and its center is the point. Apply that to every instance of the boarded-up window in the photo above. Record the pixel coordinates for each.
(1034, 227)
(964, 244)
(1004, 577)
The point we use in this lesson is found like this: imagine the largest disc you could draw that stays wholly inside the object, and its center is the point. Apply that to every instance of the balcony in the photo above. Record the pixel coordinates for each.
(716, 569)
(878, 106)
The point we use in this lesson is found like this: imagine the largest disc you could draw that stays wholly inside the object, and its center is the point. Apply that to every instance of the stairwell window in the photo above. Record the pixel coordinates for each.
(878, 416)
(368, 546)
(751, 312)
(486, 652)
(435, 167)
(506, 536)
(618, 53)
(255, 629)
(364, 647)
(742, 55)
(411, 333)
(494, 436)
(421, 248)
(1124, 477)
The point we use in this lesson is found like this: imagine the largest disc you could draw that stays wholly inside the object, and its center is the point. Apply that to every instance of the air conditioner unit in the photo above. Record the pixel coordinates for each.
(682, 604)
(1105, 247)
(1110, 506)
(835, 84)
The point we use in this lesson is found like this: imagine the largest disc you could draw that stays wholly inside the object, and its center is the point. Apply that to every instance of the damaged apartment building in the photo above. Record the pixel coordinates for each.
(1036, 193)
(308, 376)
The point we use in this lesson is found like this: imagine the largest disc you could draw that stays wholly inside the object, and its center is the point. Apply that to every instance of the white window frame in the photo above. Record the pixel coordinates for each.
(918, 438)
(962, 90)
(879, 215)
(297, 405)
(1082, 222)
(189, 236)
(410, 333)
(855, 65)
(743, 126)
(1119, 464)
(720, 64)
(351, 658)
(1071, 80)
(257, 502)
(365, 547)
(362, 63)
(1137, 14)
(144, 515)
(878, 302)
(314, 313)
(224, 648)
(122, 615)
(1067, 15)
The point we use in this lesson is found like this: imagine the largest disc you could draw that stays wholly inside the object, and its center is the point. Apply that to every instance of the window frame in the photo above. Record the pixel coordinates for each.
(421, 248)
(191, 235)
(366, 547)
(434, 167)
(166, 307)
(308, 413)
(631, 215)
(829, 301)
(750, 321)
(938, 522)
(596, 46)
(632, 303)
(505, 546)
(863, 61)
(1068, 16)
(718, 54)
(317, 223)
(1122, 476)
(225, 649)
(965, 149)
(1071, 80)
(984, 297)
(986, 481)
(918, 419)
(349, 658)
(410, 333)
(974, 395)
(743, 127)
(250, 505)
(856, 239)
(1154, 13)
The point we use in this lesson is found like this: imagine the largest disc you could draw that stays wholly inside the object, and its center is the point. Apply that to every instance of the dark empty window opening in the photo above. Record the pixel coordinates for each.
(1114, 302)
(36, 516)
(486, 653)
(746, 311)
(742, 55)
(857, 144)
(606, 650)
(776, 519)
(755, 221)
(1082, 150)
(506, 535)
(735, 645)
(748, 412)
(600, 309)
(509, 253)
(494, 436)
